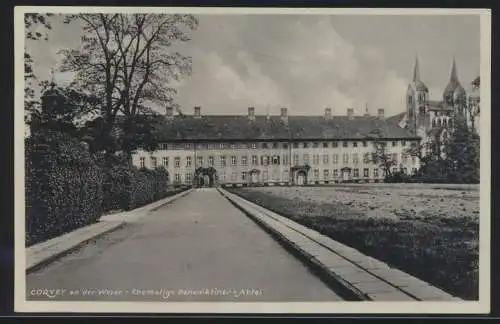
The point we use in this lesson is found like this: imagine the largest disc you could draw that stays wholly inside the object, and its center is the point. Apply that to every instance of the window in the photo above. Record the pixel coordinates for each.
(305, 157)
(405, 170)
(365, 144)
(345, 158)
(177, 177)
(285, 175)
(375, 173)
(354, 144)
(414, 170)
(315, 159)
(221, 145)
(264, 175)
(275, 145)
(326, 174)
(244, 160)
(153, 162)
(345, 144)
(255, 160)
(211, 161)
(366, 158)
(325, 158)
(285, 159)
(222, 160)
(211, 146)
(355, 158)
(315, 145)
(405, 158)
(177, 162)
(243, 176)
(305, 145)
(394, 143)
(254, 145)
(142, 162)
(276, 160)
(199, 160)
(295, 159)
(395, 157)
(264, 145)
(223, 176)
(200, 146)
(285, 145)
(335, 144)
(335, 173)
(234, 176)
(188, 177)
(188, 161)
(162, 146)
(295, 145)
(325, 145)
(165, 161)
(356, 173)
(264, 160)
(366, 172)
(233, 160)
(335, 159)
(403, 143)
(316, 174)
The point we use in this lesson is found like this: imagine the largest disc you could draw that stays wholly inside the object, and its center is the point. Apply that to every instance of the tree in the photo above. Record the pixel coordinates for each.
(381, 155)
(35, 27)
(125, 59)
(462, 151)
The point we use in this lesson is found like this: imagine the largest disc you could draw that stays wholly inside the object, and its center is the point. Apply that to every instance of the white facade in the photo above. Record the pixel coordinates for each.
(234, 161)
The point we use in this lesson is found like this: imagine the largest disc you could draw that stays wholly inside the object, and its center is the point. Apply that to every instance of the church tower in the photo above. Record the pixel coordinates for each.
(454, 94)
(417, 97)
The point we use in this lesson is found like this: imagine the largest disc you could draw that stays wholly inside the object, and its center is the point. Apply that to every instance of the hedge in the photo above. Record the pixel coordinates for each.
(63, 186)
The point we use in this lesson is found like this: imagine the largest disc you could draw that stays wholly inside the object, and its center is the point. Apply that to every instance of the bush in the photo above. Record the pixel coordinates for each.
(63, 186)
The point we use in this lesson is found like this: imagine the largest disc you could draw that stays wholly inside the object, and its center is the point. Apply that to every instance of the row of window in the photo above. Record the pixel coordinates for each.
(273, 145)
(276, 160)
(336, 173)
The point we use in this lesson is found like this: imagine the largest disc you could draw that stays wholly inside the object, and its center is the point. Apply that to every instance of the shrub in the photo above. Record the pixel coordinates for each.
(63, 186)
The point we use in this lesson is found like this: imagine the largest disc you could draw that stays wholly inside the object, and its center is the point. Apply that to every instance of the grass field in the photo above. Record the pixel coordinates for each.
(429, 232)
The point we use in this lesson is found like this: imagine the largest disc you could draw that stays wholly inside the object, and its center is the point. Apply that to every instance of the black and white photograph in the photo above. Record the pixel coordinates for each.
(252, 160)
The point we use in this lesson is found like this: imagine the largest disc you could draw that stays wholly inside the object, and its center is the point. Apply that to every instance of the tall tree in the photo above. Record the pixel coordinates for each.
(381, 155)
(36, 27)
(128, 60)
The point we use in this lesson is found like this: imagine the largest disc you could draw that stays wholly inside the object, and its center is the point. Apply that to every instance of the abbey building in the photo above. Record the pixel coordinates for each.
(432, 120)
(252, 149)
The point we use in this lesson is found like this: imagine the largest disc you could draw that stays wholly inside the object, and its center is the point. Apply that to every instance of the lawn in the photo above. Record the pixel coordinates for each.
(431, 233)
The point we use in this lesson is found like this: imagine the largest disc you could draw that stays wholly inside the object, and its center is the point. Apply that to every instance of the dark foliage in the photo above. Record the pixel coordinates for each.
(63, 186)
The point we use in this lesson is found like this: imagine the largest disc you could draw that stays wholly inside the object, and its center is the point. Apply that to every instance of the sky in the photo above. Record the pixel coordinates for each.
(306, 62)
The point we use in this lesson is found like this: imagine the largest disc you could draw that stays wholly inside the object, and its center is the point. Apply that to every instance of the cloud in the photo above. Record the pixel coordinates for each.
(306, 62)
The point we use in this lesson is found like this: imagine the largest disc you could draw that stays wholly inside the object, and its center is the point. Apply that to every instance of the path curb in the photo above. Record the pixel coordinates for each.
(361, 276)
(46, 252)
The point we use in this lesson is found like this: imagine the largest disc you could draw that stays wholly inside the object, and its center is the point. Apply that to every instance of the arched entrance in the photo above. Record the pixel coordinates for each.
(300, 174)
(205, 177)
(345, 174)
(254, 176)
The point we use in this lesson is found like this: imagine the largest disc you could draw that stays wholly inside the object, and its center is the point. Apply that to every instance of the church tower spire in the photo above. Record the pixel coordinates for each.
(416, 70)
(453, 74)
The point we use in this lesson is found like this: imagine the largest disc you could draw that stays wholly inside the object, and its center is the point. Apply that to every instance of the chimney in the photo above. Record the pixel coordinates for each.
(284, 115)
(350, 112)
(197, 112)
(328, 113)
(381, 113)
(170, 112)
(251, 113)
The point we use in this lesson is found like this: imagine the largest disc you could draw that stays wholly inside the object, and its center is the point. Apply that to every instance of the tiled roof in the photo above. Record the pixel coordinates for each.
(223, 127)
(396, 119)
